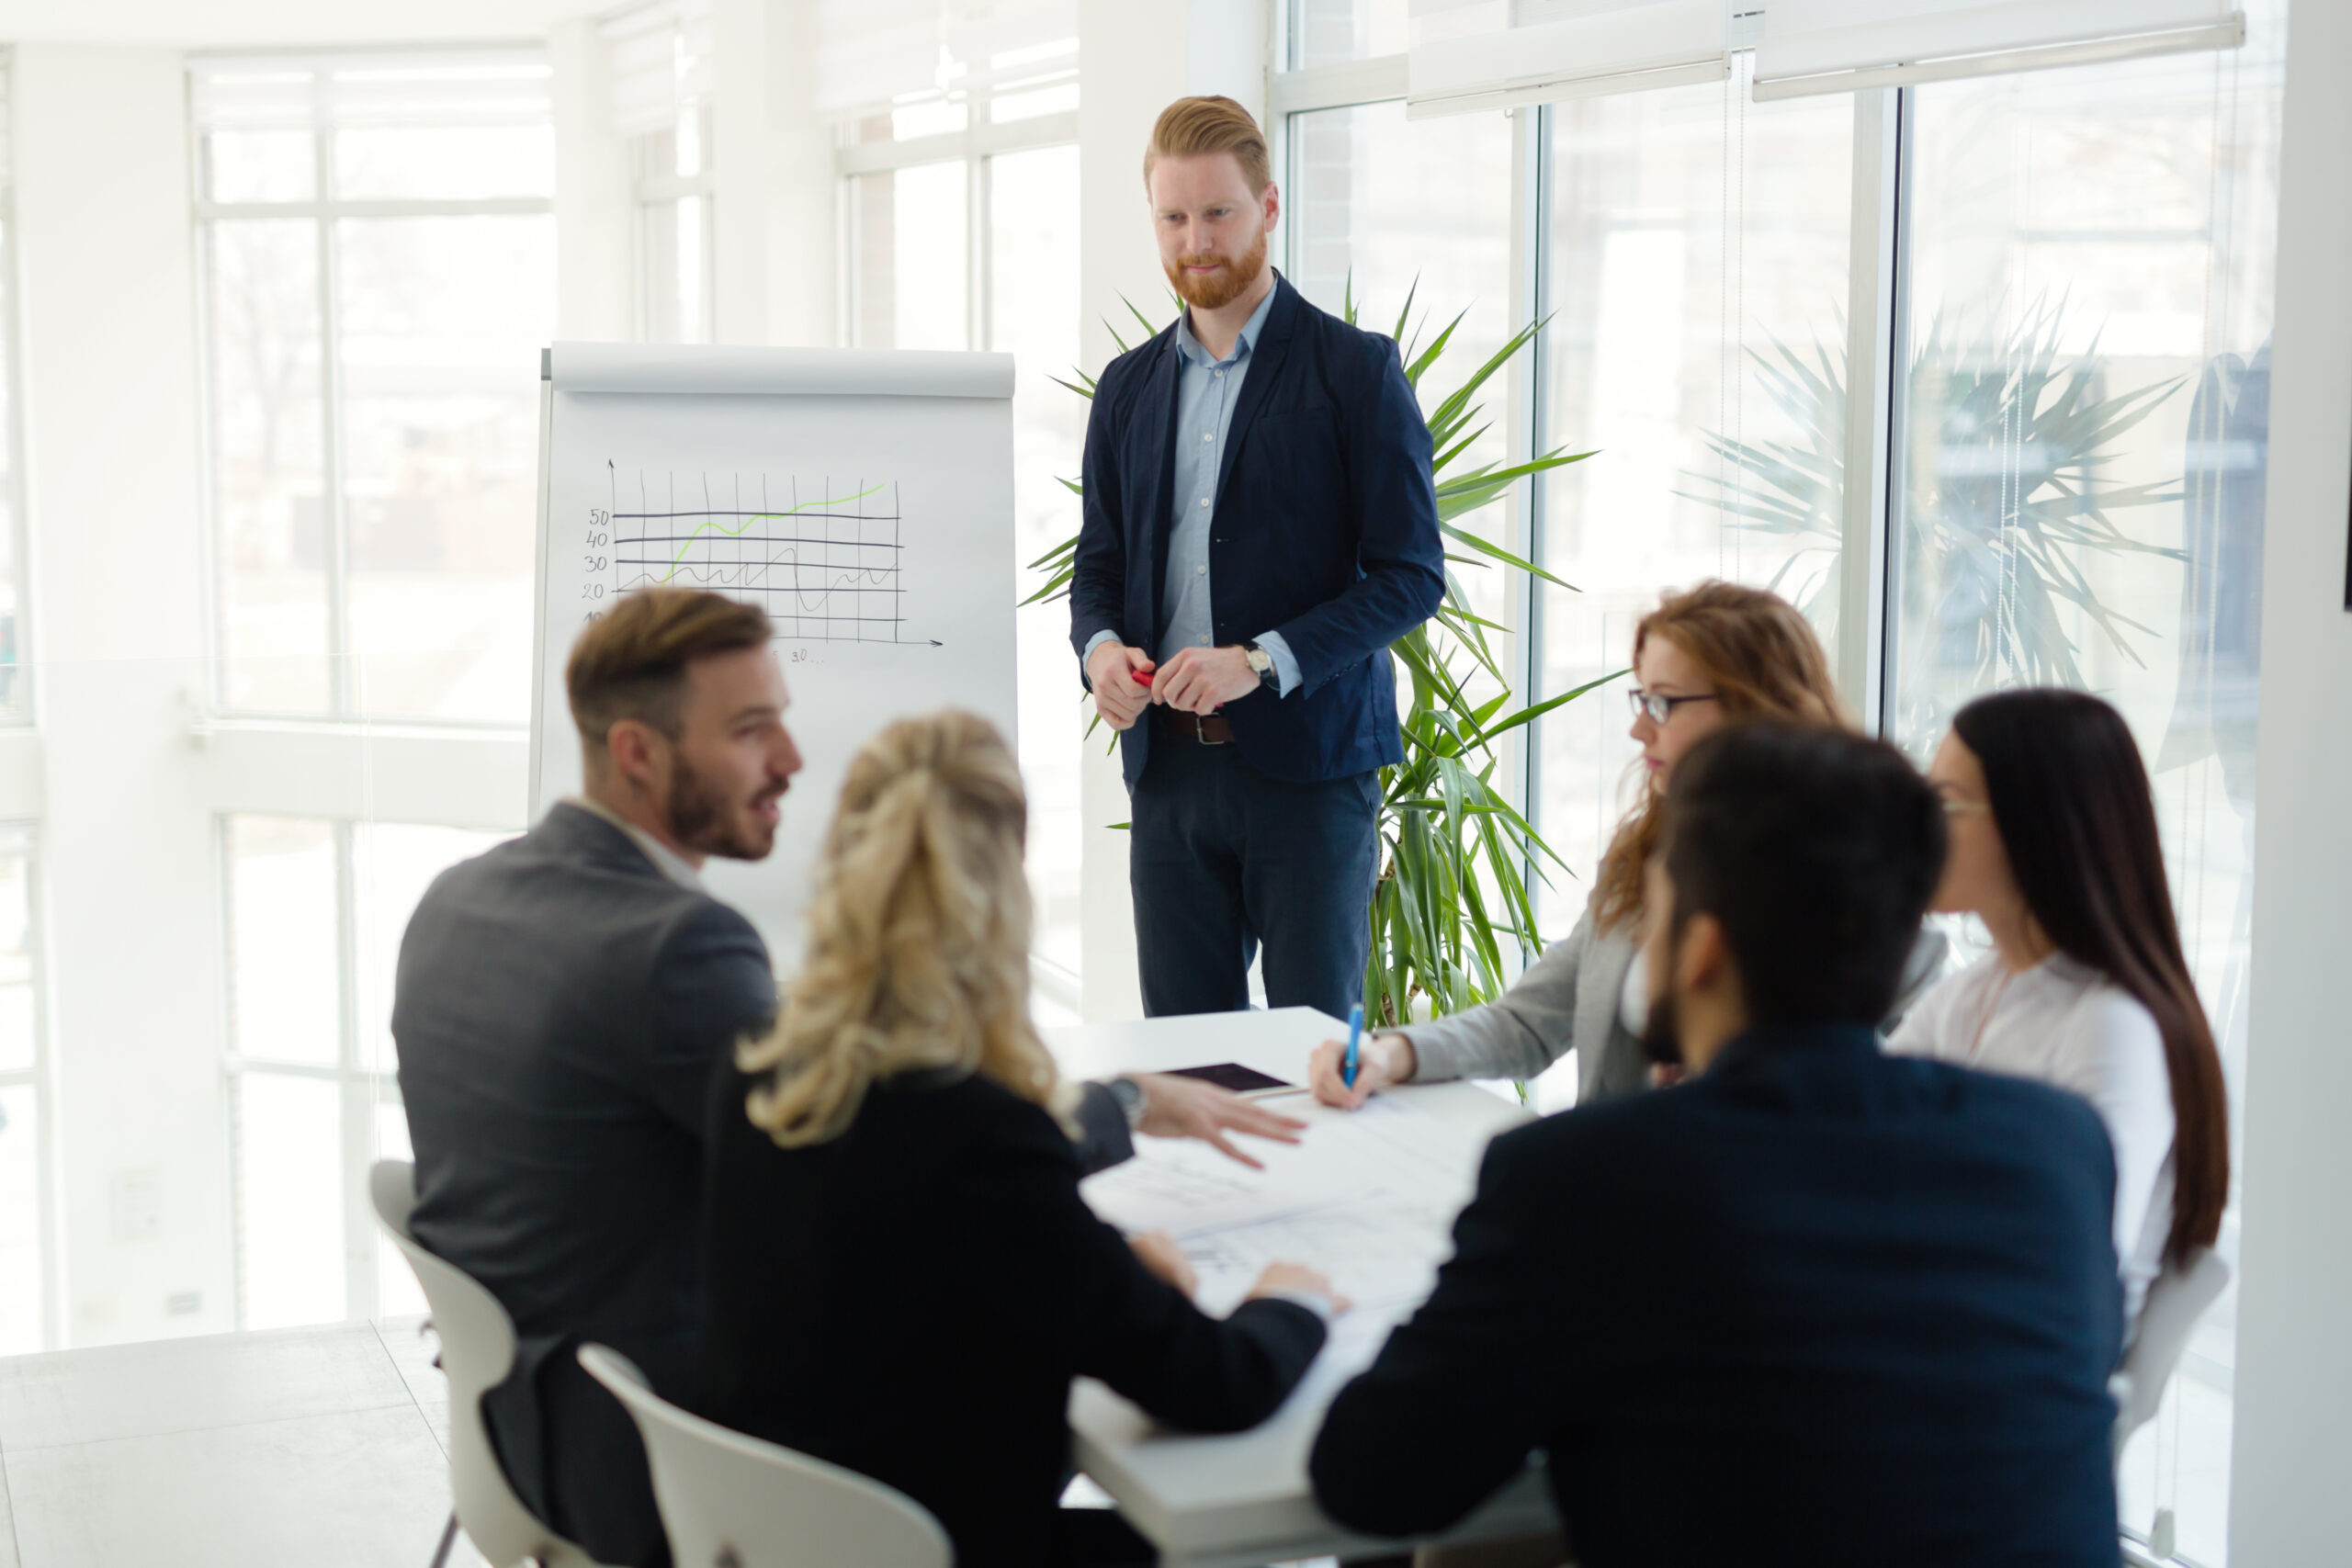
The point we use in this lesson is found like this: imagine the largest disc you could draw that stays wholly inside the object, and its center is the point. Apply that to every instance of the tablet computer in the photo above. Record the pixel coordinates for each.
(1248, 1082)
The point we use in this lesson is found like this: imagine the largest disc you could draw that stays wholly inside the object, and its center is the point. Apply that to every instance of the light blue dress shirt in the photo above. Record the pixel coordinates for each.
(1206, 391)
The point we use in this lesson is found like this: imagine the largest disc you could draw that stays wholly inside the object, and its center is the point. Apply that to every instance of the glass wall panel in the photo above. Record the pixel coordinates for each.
(1696, 267)
(913, 282)
(1032, 315)
(443, 162)
(268, 447)
(2083, 454)
(285, 984)
(1384, 212)
(19, 1016)
(442, 321)
(1326, 32)
(290, 1201)
(23, 1277)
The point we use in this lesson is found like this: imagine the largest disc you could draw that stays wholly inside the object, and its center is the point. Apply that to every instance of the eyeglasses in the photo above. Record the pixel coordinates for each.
(1658, 708)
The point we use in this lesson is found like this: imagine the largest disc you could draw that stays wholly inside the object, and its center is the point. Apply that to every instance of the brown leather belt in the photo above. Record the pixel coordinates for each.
(1207, 728)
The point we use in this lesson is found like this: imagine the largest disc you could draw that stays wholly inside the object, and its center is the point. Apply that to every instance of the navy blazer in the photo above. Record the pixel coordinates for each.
(1326, 531)
(1818, 1306)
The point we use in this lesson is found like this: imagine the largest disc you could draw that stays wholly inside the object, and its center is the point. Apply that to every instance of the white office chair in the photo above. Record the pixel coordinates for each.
(732, 1501)
(2176, 1300)
(477, 1352)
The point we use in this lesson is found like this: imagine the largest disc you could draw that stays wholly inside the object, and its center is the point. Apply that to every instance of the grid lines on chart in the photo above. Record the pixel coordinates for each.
(825, 561)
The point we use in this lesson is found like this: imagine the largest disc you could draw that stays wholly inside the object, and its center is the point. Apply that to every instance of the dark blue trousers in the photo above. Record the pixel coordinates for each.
(1224, 862)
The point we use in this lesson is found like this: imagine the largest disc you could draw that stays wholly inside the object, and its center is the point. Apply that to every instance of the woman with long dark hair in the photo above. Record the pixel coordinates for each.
(2054, 848)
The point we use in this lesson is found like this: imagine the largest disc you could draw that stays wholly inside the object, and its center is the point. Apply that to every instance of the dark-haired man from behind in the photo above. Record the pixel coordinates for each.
(1841, 1310)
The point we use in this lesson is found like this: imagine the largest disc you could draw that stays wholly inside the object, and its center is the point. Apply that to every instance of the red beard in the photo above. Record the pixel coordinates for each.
(1211, 291)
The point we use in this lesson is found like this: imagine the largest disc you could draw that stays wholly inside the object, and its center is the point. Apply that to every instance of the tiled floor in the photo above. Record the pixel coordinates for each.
(313, 1447)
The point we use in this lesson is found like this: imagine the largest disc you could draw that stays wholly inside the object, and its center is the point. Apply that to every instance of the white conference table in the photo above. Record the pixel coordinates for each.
(1243, 1499)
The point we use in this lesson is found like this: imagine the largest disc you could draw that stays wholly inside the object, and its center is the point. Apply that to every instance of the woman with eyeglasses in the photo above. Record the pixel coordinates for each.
(2054, 846)
(1714, 655)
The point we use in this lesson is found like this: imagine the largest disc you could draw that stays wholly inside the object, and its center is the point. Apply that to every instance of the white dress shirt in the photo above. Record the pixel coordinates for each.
(2065, 1024)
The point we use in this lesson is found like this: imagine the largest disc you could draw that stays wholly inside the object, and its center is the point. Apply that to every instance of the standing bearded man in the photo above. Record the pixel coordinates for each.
(1260, 524)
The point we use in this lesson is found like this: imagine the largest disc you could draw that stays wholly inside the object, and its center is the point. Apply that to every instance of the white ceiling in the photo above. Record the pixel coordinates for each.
(214, 24)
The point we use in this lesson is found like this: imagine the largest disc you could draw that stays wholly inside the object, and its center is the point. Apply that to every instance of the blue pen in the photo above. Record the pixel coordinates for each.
(1355, 1034)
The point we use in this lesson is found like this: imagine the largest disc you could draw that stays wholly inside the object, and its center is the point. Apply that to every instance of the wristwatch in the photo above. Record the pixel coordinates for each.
(1131, 1100)
(1263, 663)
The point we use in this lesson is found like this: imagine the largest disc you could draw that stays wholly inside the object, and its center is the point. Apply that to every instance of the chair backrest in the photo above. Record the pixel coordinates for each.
(2176, 1300)
(477, 1352)
(732, 1501)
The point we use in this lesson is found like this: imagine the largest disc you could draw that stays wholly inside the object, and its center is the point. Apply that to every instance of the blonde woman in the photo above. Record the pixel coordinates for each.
(901, 1276)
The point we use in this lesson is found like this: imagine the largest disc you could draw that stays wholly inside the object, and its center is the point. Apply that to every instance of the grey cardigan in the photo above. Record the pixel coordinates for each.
(1567, 998)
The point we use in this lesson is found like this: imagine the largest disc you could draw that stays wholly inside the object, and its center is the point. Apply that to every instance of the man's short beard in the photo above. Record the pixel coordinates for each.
(1221, 289)
(700, 820)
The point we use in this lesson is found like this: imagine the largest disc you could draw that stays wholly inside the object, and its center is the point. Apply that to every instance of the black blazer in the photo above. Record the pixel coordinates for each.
(1326, 531)
(1819, 1306)
(912, 1298)
(559, 1011)
(558, 1006)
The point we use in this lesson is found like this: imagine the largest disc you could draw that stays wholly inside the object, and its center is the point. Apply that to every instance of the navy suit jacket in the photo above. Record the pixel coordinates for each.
(1325, 530)
(1818, 1306)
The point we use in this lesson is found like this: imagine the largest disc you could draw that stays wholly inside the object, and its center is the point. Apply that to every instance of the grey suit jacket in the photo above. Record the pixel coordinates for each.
(1568, 1000)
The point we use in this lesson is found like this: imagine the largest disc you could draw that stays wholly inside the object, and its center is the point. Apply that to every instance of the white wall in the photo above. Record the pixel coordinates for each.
(110, 380)
(2293, 1439)
(1133, 61)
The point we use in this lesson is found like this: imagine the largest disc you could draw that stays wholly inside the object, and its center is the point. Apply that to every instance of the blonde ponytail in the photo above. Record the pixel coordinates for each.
(918, 936)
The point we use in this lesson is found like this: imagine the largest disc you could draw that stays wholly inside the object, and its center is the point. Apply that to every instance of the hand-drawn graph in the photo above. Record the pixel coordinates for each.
(825, 560)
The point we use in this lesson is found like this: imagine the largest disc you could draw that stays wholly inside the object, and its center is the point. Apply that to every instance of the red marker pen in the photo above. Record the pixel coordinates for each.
(1143, 677)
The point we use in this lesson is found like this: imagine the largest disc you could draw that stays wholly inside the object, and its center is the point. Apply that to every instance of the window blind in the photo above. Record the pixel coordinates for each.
(873, 53)
(313, 92)
(662, 56)
(1835, 46)
(1470, 55)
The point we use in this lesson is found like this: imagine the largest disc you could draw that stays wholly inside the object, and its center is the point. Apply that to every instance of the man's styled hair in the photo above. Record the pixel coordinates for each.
(1190, 126)
(631, 661)
(1818, 850)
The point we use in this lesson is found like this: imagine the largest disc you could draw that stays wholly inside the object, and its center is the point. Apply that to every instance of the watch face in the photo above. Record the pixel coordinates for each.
(1260, 660)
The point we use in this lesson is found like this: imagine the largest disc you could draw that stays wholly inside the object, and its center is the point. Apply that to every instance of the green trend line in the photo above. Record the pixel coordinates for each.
(737, 531)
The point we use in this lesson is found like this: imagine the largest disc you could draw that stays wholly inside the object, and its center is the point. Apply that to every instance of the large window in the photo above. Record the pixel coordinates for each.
(13, 645)
(962, 224)
(676, 293)
(376, 253)
(1696, 284)
(2063, 402)
(26, 1276)
(2084, 438)
(315, 912)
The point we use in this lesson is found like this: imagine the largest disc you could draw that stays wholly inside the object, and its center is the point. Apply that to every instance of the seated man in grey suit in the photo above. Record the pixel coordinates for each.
(561, 1004)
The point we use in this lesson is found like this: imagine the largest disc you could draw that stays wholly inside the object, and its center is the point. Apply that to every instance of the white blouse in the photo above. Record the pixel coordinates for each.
(2065, 1024)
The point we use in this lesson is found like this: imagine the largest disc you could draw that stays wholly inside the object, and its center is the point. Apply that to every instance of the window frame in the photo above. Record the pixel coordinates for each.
(322, 210)
(22, 712)
(26, 834)
(1878, 346)
(647, 191)
(975, 147)
(360, 1088)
